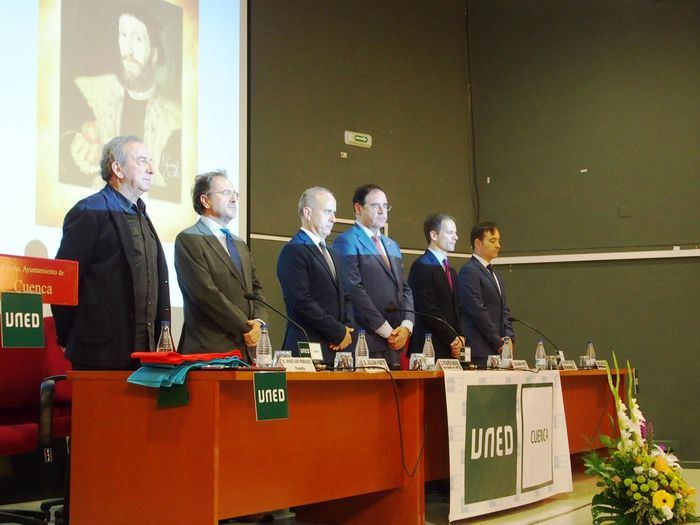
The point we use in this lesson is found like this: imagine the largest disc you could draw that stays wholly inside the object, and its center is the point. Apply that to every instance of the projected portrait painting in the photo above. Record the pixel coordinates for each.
(121, 76)
(121, 68)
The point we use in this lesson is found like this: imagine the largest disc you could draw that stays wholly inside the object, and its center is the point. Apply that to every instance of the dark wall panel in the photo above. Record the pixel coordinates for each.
(644, 310)
(395, 69)
(607, 86)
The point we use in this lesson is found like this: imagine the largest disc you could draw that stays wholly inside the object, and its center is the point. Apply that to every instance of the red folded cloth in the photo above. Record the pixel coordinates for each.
(173, 358)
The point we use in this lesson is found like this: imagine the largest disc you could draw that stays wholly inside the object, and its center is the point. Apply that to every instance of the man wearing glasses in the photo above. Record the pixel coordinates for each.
(123, 276)
(373, 273)
(215, 271)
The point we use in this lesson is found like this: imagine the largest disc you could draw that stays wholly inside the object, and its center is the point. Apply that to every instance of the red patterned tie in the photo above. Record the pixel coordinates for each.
(446, 265)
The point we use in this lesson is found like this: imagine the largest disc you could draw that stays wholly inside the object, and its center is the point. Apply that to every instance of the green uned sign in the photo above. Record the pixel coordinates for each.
(270, 390)
(491, 448)
(22, 320)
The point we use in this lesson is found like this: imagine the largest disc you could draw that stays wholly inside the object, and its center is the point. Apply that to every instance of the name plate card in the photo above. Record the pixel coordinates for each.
(297, 364)
(373, 364)
(312, 350)
(601, 364)
(519, 364)
(568, 364)
(465, 354)
(452, 365)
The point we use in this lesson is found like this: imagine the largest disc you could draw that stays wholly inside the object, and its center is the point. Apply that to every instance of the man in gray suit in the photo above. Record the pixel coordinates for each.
(373, 272)
(215, 271)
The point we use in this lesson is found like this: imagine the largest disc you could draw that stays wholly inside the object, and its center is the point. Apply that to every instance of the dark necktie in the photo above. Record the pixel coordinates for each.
(231, 246)
(493, 276)
(446, 265)
(378, 245)
(327, 257)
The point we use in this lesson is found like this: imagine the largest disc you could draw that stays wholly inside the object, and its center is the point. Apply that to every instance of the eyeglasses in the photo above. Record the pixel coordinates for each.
(376, 206)
(226, 194)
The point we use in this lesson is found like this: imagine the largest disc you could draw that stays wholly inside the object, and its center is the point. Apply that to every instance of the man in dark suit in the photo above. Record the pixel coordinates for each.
(215, 271)
(123, 294)
(373, 272)
(434, 285)
(308, 272)
(483, 296)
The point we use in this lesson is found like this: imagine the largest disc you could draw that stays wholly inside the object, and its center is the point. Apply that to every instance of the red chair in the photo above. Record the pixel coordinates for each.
(26, 420)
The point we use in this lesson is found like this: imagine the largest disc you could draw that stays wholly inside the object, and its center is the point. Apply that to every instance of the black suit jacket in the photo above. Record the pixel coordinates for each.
(432, 295)
(313, 297)
(485, 311)
(100, 331)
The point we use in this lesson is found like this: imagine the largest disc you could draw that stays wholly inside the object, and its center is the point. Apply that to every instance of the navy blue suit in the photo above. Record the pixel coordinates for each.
(313, 297)
(432, 295)
(99, 332)
(373, 287)
(485, 311)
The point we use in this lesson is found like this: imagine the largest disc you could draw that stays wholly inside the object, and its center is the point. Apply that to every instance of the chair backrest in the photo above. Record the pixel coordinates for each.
(21, 373)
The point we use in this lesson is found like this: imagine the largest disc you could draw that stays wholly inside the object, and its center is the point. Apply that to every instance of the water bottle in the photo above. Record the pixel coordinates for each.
(506, 353)
(540, 356)
(590, 354)
(165, 341)
(429, 352)
(361, 348)
(263, 350)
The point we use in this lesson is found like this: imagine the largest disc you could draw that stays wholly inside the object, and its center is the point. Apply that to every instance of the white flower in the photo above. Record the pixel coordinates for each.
(668, 513)
(639, 471)
(653, 472)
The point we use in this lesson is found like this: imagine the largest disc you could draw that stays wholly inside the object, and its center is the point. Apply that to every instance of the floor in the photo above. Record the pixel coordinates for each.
(564, 509)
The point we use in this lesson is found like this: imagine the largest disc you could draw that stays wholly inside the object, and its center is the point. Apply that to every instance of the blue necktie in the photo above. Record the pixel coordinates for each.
(231, 246)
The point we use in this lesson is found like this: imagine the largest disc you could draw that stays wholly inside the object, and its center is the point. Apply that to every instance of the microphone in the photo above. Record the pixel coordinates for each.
(253, 297)
(511, 319)
(393, 308)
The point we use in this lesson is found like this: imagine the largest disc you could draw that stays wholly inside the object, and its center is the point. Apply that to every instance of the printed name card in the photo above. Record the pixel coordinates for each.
(568, 364)
(519, 364)
(370, 364)
(297, 364)
(452, 365)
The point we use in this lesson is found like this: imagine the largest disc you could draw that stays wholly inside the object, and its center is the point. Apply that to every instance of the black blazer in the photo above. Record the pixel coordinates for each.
(485, 311)
(313, 298)
(100, 331)
(432, 295)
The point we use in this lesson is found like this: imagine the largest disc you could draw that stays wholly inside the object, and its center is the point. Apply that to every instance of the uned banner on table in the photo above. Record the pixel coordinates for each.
(507, 438)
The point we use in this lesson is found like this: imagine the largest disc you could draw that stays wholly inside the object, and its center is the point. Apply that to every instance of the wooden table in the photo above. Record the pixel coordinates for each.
(133, 463)
(337, 459)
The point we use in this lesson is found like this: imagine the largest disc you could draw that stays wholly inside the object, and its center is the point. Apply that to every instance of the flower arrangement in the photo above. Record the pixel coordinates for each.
(642, 482)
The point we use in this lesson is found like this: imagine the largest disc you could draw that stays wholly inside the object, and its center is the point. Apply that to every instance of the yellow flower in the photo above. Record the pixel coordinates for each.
(663, 499)
(661, 464)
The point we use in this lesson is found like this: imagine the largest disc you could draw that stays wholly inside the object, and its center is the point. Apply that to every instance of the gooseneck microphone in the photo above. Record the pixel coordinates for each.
(511, 319)
(253, 297)
(393, 308)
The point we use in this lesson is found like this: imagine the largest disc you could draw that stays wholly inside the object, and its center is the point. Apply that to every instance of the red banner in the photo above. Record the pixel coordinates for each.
(56, 280)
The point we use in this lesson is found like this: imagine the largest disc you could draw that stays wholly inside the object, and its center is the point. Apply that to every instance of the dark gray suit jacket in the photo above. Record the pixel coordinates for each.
(485, 311)
(213, 291)
(373, 286)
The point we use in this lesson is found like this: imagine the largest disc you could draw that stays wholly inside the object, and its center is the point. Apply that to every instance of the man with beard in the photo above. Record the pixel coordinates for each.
(131, 102)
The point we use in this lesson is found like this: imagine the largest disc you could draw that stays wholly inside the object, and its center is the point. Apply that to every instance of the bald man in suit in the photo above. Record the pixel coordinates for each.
(309, 274)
